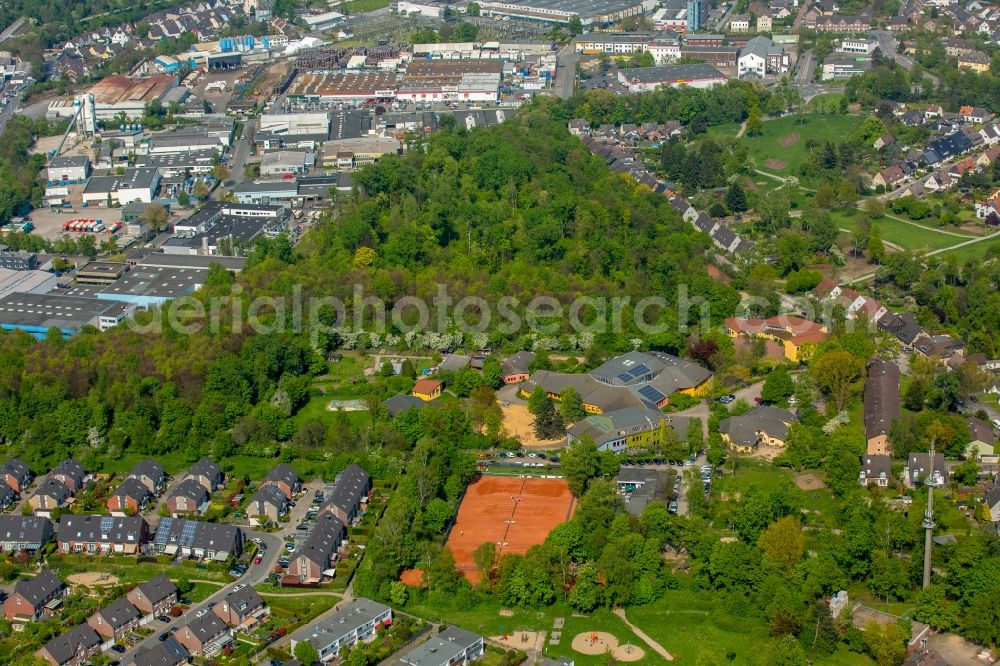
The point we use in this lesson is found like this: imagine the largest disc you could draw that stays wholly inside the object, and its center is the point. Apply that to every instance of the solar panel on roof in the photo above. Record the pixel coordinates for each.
(651, 394)
(163, 530)
(639, 370)
(625, 377)
(187, 534)
(107, 522)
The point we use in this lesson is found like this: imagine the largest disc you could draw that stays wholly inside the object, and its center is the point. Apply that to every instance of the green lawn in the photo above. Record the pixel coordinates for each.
(974, 251)
(899, 232)
(129, 571)
(768, 145)
(728, 131)
(359, 6)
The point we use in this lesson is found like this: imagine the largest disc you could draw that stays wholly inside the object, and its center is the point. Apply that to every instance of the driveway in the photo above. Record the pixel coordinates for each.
(701, 410)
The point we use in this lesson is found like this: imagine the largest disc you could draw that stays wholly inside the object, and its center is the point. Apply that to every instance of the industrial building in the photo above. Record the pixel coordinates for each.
(38, 313)
(283, 162)
(29, 281)
(646, 79)
(148, 285)
(178, 164)
(266, 192)
(100, 272)
(590, 12)
(351, 153)
(321, 22)
(327, 87)
(68, 169)
(226, 229)
(115, 95)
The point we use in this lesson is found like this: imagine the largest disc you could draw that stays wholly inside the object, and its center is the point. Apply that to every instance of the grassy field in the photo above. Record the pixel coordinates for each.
(729, 130)
(778, 142)
(903, 234)
(359, 6)
(974, 251)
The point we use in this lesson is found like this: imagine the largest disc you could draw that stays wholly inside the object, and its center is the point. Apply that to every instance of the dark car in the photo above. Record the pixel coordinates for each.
(118, 648)
(163, 618)
(164, 636)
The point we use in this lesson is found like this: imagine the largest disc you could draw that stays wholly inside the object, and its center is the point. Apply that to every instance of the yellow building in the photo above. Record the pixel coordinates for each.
(798, 337)
(428, 389)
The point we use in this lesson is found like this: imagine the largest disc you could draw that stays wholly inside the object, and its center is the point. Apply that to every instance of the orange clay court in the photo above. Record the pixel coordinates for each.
(513, 513)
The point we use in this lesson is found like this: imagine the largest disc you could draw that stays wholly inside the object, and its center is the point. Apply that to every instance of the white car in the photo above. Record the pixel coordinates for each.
(996, 423)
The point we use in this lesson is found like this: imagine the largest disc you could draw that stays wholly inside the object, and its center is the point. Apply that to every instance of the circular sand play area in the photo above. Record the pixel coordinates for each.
(93, 579)
(601, 642)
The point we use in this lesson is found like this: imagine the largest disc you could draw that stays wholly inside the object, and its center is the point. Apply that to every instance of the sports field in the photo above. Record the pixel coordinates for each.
(513, 513)
(781, 147)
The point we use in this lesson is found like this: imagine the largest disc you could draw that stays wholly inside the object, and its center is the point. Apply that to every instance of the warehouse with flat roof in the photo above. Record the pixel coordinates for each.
(646, 79)
(590, 12)
(37, 313)
(148, 285)
(355, 86)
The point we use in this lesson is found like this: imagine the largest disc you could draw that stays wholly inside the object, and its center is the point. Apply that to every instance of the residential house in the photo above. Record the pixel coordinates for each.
(798, 336)
(168, 652)
(51, 494)
(761, 425)
(876, 470)
(764, 23)
(71, 648)
(992, 502)
(881, 405)
(16, 474)
(198, 540)
(428, 389)
(7, 497)
(285, 478)
(154, 596)
(934, 111)
(355, 622)
(884, 141)
(517, 368)
(349, 492)
(904, 326)
(739, 23)
(977, 62)
(204, 635)
(188, 497)
(242, 609)
(912, 118)
(116, 619)
(207, 473)
(315, 559)
(889, 177)
(983, 444)
(943, 346)
(451, 647)
(31, 599)
(70, 473)
(988, 157)
(400, 403)
(150, 473)
(974, 114)
(130, 498)
(919, 471)
(28, 533)
(579, 126)
(267, 505)
(101, 535)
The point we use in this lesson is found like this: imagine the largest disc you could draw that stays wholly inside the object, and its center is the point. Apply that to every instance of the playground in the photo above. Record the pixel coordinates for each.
(513, 513)
(601, 642)
(92, 579)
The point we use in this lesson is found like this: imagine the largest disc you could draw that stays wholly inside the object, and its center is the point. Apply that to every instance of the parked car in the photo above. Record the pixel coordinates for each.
(164, 636)
(673, 507)
(120, 649)
(726, 399)
(163, 618)
(257, 560)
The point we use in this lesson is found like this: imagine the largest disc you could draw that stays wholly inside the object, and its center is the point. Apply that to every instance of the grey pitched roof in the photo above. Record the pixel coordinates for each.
(992, 497)
(881, 397)
(918, 466)
(167, 653)
(981, 431)
(206, 468)
(349, 487)
(71, 469)
(7, 494)
(119, 613)
(198, 534)
(65, 646)
(283, 472)
(150, 468)
(133, 488)
(100, 529)
(270, 495)
(54, 489)
(874, 466)
(157, 589)
(400, 403)
(36, 590)
(518, 363)
(743, 429)
(192, 490)
(244, 601)
(324, 539)
(25, 529)
(18, 469)
(341, 623)
(207, 628)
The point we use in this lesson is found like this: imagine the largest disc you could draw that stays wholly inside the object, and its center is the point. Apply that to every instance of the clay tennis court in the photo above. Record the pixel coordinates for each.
(513, 513)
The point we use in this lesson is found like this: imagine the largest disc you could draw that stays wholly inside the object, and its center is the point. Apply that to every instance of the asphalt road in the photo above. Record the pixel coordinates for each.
(566, 61)
(887, 43)
(9, 111)
(256, 574)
